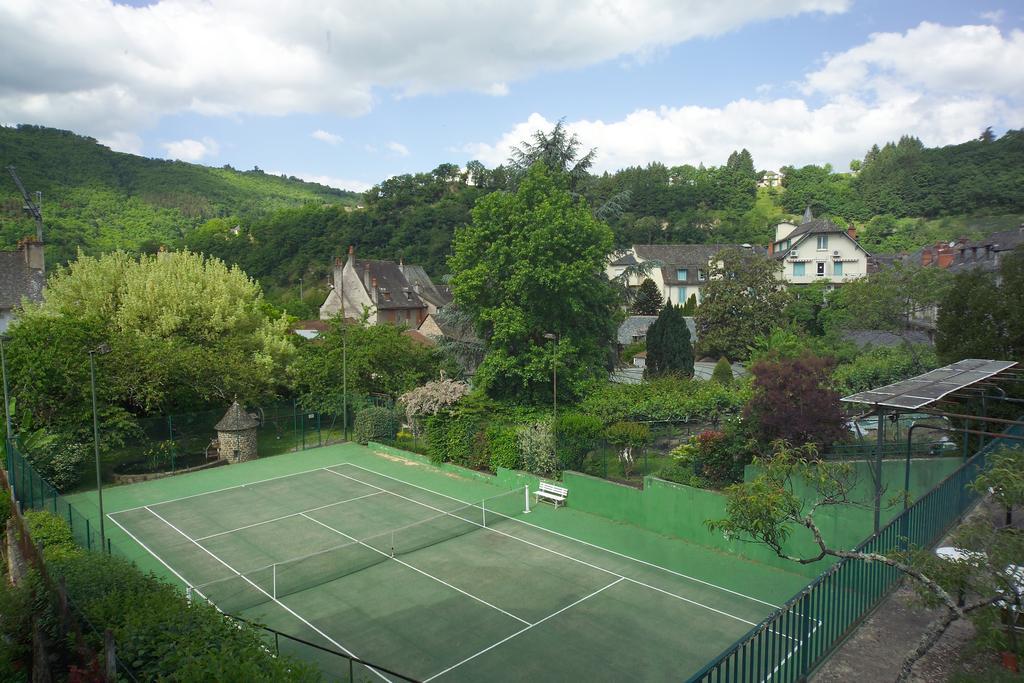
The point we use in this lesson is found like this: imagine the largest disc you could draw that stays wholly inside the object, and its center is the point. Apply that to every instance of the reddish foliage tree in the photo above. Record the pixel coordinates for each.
(793, 401)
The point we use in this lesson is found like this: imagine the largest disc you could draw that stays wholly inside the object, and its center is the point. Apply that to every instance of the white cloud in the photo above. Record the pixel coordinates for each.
(105, 68)
(123, 142)
(324, 136)
(191, 150)
(994, 16)
(398, 149)
(944, 85)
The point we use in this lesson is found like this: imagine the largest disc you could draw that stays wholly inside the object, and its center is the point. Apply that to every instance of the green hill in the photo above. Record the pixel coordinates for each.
(97, 199)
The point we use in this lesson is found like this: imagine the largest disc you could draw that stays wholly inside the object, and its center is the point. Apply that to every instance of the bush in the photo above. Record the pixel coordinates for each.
(5, 508)
(715, 458)
(630, 350)
(537, 448)
(502, 447)
(722, 372)
(48, 531)
(160, 634)
(375, 424)
(456, 437)
(667, 398)
(577, 435)
(61, 462)
(628, 437)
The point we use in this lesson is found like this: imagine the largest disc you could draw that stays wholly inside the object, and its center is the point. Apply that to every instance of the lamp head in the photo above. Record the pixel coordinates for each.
(101, 350)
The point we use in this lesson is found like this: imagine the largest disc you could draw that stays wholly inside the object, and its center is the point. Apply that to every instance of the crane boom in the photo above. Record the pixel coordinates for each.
(30, 206)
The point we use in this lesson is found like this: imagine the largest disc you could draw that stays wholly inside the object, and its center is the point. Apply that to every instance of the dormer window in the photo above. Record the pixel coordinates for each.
(701, 276)
(681, 274)
(822, 242)
(387, 295)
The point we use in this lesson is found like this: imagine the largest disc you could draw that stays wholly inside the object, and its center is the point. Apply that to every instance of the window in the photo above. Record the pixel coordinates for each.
(822, 242)
(681, 298)
(700, 274)
(798, 270)
(837, 268)
(821, 268)
(681, 274)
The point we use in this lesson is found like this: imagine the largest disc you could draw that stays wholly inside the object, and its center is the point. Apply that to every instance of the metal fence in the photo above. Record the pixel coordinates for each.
(35, 493)
(792, 641)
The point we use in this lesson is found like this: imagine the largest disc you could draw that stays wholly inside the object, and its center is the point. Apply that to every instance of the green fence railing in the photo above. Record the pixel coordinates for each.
(795, 639)
(35, 493)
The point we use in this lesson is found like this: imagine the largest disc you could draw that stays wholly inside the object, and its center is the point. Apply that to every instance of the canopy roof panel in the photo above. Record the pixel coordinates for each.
(917, 392)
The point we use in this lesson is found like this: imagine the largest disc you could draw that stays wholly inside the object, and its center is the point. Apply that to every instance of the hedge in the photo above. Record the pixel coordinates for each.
(159, 634)
(375, 424)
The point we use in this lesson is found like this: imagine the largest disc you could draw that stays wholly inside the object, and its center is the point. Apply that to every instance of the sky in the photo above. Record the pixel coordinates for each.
(349, 93)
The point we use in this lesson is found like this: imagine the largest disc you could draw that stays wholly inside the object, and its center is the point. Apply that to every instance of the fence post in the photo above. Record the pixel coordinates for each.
(110, 655)
(295, 419)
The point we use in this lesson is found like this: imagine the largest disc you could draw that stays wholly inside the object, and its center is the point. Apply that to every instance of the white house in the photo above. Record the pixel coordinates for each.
(818, 250)
(683, 271)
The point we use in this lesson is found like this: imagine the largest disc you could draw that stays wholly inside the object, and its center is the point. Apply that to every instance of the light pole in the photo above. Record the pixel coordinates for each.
(300, 289)
(102, 350)
(7, 405)
(554, 388)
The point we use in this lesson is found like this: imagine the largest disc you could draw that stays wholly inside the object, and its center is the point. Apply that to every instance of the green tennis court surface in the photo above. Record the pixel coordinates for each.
(440, 577)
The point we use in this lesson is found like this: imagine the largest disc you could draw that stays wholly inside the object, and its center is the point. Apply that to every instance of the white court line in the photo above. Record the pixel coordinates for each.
(278, 602)
(592, 545)
(294, 514)
(226, 488)
(568, 557)
(148, 550)
(416, 569)
(508, 638)
(793, 651)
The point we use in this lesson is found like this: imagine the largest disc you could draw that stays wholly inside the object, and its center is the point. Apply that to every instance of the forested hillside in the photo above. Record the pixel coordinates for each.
(99, 200)
(900, 196)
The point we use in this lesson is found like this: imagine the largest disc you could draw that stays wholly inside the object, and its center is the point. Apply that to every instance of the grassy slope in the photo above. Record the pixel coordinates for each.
(99, 199)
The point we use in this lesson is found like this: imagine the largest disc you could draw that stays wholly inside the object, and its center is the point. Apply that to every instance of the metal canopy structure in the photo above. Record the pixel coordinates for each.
(918, 392)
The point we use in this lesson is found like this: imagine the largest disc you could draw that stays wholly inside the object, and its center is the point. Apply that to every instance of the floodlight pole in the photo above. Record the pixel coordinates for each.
(878, 469)
(7, 404)
(554, 389)
(102, 349)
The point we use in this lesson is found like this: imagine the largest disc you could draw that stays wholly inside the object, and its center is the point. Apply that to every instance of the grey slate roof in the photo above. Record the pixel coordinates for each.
(636, 325)
(391, 284)
(979, 254)
(885, 338)
(438, 295)
(685, 254)
(236, 420)
(17, 280)
(626, 259)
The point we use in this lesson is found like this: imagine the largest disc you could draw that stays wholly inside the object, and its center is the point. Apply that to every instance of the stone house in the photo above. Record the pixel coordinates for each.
(22, 277)
(387, 292)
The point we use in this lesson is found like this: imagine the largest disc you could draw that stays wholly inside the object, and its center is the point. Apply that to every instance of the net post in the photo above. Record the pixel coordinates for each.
(483, 510)
(188, 593)
(273, 573)
(526, 498)
(392, 543)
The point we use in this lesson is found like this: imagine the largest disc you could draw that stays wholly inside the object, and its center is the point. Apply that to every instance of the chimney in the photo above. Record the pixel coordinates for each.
(401, 265)
(337, 261)
(852, 232)
(351, 253)
(373, 290)
(34, 254)
(946, 257)
(366, 276)
(926, 256)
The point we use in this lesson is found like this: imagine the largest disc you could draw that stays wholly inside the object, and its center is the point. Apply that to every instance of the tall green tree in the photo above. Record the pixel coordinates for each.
(743, 300)
(648, 299)
(669, 350)
(185, 332)
(378, 359)
(531, 264)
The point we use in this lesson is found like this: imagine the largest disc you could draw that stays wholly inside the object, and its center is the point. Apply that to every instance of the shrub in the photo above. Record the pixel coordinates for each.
(502, 447)
(577, 434)
(715, 458)
(375, 424)
(5, 508)
(537, 448)
(628, 437)
(630, 350)
(161, 635)
(690, 307)
(49, 531)
(666, 398)
(60, 463)
(455, 437)
(722, 372)
(431, 398)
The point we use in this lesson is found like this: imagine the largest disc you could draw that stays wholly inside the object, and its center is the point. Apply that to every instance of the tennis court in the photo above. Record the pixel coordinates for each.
(421, 582)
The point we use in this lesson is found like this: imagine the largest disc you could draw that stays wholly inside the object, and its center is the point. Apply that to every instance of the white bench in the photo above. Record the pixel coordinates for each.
(551, 492)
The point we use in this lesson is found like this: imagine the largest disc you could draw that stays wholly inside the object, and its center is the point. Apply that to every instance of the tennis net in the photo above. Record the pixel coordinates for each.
(238, 593)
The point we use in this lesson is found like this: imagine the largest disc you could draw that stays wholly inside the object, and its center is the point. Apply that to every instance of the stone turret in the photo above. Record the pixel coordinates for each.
(236, 434)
